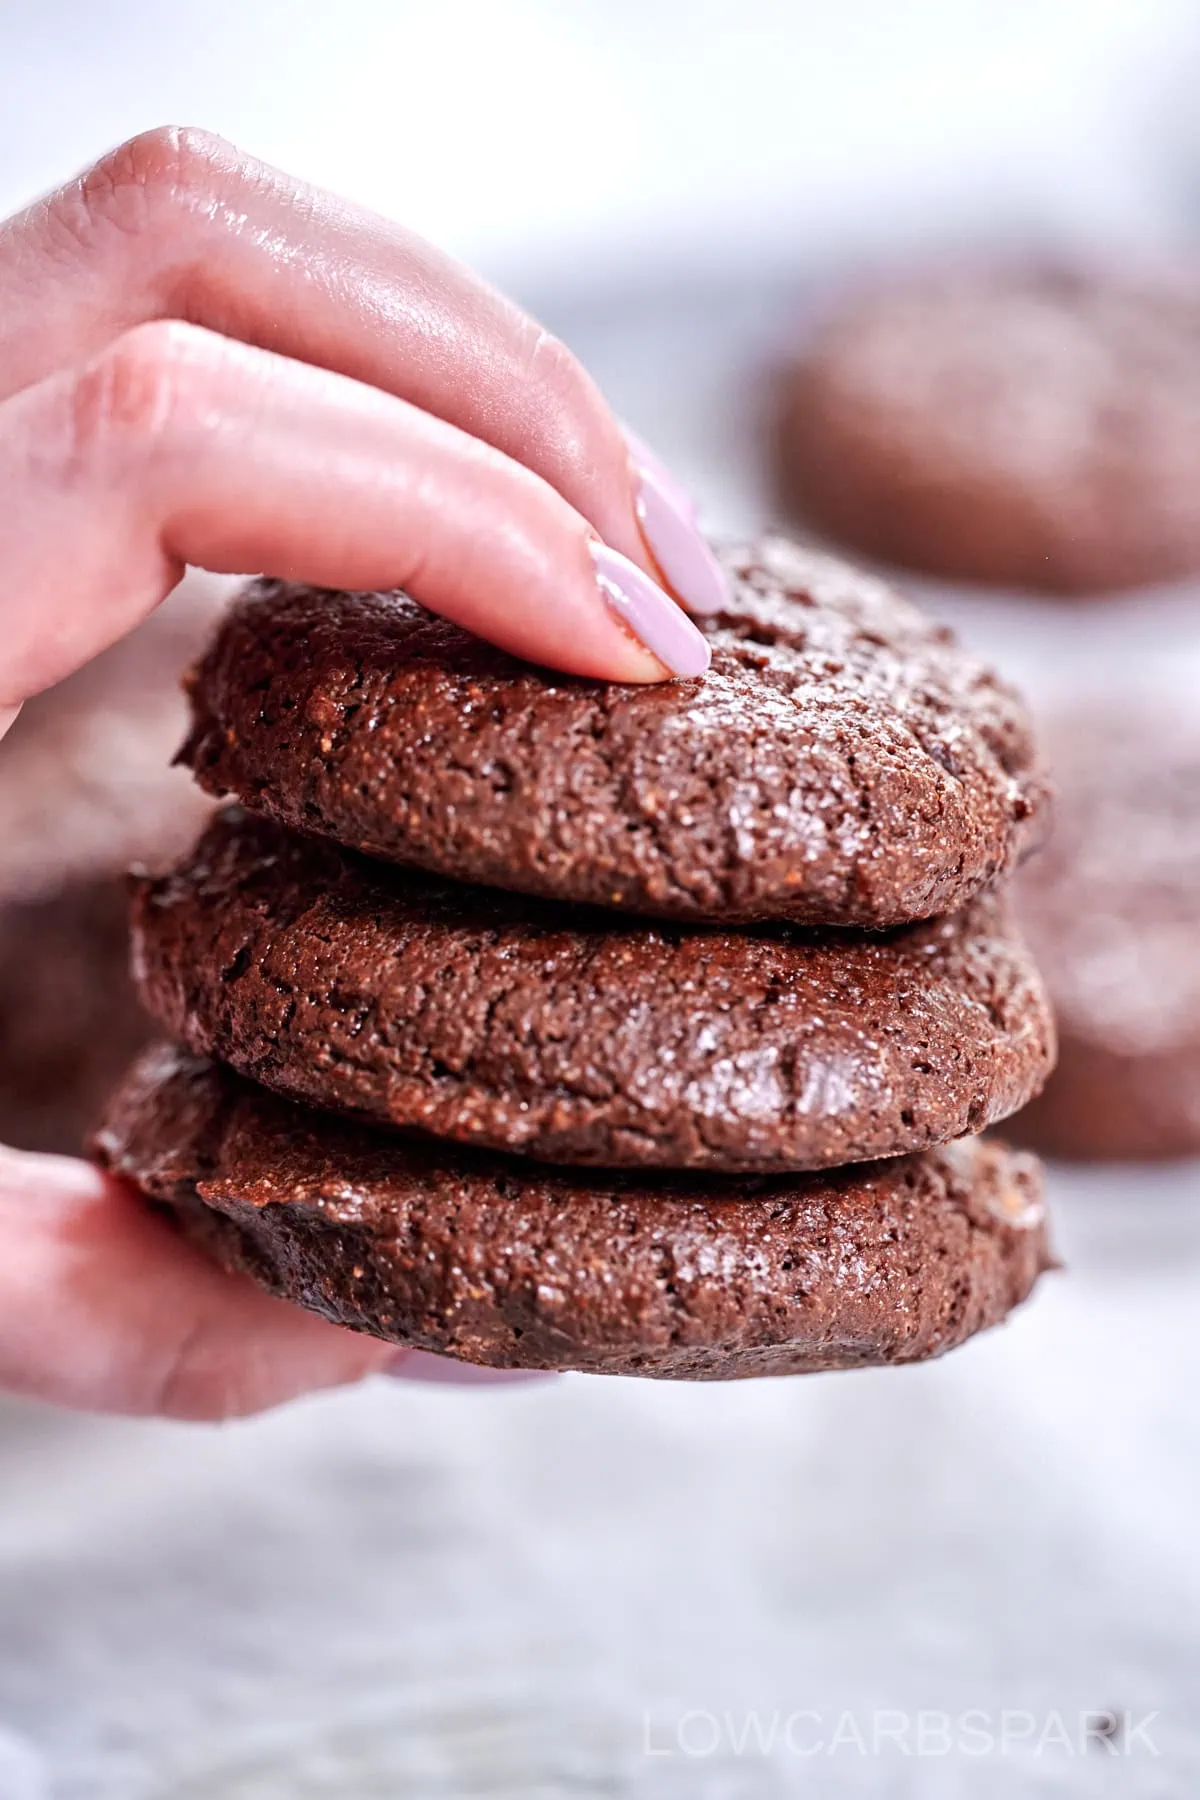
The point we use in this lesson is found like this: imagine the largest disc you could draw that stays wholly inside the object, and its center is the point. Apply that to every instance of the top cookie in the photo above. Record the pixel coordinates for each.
(842, 762)
(1035, 427)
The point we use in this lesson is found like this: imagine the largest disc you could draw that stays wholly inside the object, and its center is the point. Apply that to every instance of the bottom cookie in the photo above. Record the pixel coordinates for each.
(494, 1261)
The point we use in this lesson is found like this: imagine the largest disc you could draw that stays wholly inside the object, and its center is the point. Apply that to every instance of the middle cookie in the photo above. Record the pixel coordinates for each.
(577, 1036)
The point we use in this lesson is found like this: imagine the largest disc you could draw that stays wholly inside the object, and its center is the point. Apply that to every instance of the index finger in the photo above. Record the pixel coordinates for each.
(178, 224)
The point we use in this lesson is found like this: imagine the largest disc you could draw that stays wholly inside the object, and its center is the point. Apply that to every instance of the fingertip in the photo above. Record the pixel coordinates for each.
(648, 614)
(668, 520)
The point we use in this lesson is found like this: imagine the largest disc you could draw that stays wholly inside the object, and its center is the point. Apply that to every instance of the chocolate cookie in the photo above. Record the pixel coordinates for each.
(85, 787)
(842, 762)
(498, 1262)
(1036, 427)
(577, 1036)
(1112, 908)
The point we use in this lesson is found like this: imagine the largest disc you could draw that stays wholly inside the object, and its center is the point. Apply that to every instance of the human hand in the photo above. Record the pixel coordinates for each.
(204, 362)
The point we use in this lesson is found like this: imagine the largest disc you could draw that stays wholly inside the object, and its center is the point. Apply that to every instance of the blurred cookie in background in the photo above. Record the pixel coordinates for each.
(1033, 427)
(86, 789)
(68, 1014)
(1111, 908)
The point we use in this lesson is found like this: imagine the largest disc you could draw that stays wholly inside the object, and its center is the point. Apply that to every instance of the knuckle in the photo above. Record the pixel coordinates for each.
(133, 397)
(161, 173)
(173, 159)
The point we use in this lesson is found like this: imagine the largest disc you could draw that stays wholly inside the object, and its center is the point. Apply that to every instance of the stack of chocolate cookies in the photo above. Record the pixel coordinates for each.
(646, 1031)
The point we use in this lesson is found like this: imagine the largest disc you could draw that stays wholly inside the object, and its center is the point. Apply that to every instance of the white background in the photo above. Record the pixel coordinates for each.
(547, 131)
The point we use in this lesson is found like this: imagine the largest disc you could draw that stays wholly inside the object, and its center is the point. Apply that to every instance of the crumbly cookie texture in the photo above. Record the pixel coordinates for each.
(577, 1036)
(843, 761)
(501, 1262)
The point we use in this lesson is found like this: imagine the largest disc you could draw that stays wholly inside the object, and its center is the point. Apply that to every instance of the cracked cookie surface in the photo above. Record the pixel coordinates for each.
(574, 1035)
(501, 1262)
(843, 761)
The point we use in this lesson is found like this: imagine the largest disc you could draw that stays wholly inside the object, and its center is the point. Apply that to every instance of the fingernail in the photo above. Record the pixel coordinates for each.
(667, 516)
(649, 613)
(422, 1365)
(648, 462)
(8, 716)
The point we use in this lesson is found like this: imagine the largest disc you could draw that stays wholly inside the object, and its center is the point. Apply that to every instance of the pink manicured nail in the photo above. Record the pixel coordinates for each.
(667, 516)
(647, 462)
(649, 613)
(421, 1365)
